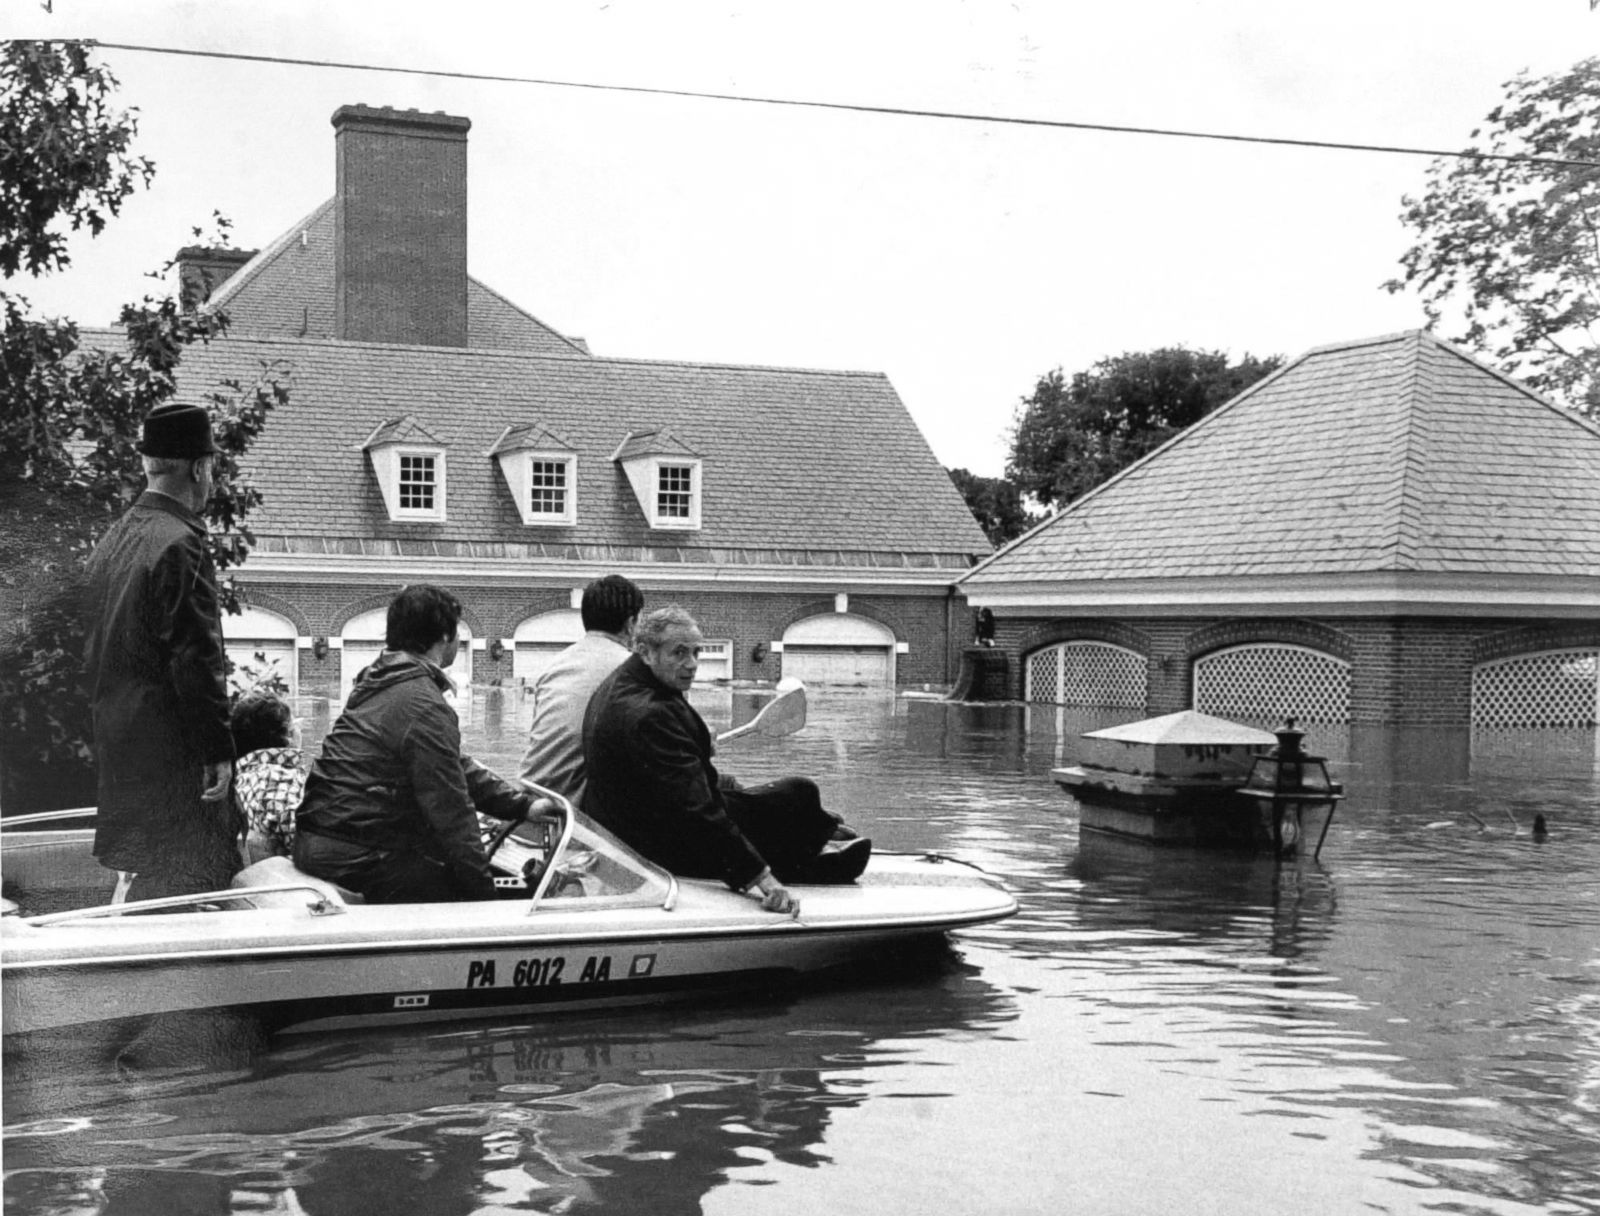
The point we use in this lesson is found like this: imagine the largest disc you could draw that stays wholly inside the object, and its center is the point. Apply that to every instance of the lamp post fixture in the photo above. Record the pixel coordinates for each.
(1290, 780)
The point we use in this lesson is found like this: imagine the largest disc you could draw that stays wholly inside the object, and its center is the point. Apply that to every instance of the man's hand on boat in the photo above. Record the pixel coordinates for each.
(774, 896)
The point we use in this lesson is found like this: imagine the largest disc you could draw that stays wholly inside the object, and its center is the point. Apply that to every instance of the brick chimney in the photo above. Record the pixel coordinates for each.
(400, 226)
(201, 270)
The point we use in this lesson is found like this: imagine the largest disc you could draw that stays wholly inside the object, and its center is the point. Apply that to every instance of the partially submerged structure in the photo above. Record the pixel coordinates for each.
(1384, 531)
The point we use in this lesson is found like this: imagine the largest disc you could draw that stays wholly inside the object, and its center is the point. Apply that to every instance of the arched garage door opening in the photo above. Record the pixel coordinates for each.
(362, 638)
(1263, 683)
(540, 638)
(840, 648)
(260, 645)
(1551, 690)
(1094, 674)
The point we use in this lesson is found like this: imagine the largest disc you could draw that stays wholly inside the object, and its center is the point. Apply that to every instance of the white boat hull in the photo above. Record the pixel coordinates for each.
(303, 963)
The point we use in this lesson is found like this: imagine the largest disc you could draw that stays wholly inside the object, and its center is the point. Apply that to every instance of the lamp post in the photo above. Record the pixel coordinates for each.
(1289, 780)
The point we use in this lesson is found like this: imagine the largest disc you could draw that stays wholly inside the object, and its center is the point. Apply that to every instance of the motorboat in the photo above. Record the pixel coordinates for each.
(583, 921)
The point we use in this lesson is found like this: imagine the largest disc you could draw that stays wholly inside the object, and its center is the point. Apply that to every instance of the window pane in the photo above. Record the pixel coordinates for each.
(549, 487)
(416, 483)
(674, 490)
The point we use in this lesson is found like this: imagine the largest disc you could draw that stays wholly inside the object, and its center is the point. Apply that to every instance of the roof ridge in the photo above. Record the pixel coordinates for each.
(1226, 407)
(517, 308)
(270, 253)
(1571, 415)
(1406, 530)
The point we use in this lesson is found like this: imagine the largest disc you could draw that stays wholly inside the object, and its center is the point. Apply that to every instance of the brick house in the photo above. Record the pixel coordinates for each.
(438, 433)
(1382, 532)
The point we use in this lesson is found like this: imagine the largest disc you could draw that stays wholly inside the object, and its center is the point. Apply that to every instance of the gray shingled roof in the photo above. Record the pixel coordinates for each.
(793, 460)
(1392, 455)
(286, 290)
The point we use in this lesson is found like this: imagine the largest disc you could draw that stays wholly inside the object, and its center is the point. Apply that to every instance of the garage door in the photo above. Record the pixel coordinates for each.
(838, 648)
(260, 645)
(540, 638)
(363, 642)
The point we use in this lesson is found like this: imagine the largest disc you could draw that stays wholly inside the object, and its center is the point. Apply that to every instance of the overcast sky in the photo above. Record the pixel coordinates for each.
(962, 259)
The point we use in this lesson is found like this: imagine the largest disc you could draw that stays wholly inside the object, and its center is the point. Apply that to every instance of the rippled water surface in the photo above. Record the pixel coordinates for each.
(1410, 1024)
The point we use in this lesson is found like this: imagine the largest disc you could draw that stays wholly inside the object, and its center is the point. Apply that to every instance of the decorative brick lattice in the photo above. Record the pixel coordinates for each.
(1557, 688)
(1086, 673)
(1266, 683)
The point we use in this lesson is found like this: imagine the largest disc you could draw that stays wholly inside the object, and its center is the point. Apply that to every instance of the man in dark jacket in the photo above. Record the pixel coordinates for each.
(389, 805)
(154, 665)
(651, 781)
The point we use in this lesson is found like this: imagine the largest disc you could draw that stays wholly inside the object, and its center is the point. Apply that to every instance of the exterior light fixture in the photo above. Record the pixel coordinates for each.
(1288, 782)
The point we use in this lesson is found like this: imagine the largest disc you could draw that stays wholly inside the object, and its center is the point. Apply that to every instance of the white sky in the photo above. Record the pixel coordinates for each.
(962, 259)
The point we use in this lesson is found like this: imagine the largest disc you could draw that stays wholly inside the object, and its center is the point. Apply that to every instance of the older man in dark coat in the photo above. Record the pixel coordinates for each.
(155, 666)
(651, 781)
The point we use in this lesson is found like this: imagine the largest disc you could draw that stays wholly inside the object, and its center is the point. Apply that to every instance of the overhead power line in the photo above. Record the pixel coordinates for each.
(859, 108)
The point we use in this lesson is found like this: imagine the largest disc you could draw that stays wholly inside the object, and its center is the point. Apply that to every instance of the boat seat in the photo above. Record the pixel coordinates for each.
(275, 871)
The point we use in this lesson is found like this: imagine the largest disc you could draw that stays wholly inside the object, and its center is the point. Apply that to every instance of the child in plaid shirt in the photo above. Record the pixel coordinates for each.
(268, 779)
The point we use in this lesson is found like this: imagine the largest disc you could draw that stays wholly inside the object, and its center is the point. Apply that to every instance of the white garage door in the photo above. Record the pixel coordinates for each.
(363, 642)
(839, 648)
(540, 638)
(716, 662)
(260, 645)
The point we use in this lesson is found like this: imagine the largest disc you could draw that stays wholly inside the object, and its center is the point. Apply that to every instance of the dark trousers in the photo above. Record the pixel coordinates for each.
(397, 876)
(185, 876)
(784, 820)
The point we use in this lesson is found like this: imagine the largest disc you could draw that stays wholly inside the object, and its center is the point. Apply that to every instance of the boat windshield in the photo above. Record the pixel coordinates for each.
(592, 865)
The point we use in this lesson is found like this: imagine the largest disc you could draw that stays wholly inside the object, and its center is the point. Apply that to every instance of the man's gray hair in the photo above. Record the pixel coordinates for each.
(168, 466)
(653, 625)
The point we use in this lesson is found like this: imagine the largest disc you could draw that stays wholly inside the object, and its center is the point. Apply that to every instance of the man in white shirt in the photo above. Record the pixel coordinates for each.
(554, 757)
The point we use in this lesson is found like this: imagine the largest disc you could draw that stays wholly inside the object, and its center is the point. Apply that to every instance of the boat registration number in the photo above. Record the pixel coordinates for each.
(546, 971)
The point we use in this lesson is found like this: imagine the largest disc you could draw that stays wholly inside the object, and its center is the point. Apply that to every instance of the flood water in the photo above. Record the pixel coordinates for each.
(1410, 1024)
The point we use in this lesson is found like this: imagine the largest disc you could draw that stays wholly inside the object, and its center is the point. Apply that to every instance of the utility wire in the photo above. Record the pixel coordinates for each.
(857, 108)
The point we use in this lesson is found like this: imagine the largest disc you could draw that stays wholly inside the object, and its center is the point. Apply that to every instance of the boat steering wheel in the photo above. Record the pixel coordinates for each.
(499, 837)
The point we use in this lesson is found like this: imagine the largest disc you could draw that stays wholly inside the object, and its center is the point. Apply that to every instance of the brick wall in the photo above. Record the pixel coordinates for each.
(400, 227)
(745, 617)
(1412, 670)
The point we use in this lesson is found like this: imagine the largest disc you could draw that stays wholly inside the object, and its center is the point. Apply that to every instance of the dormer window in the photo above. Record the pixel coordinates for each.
(548, 491)
(410, 467)
(541, 471)
(419, 476)
(665, 474)
(675, 491)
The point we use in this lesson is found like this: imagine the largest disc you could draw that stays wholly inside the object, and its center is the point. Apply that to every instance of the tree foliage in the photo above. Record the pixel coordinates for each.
(71, 410)
(995, 503)
(1512, 247)
(1070, 436)
(63, 152)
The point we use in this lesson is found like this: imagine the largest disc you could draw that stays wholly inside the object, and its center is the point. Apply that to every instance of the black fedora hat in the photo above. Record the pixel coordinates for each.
(178, 431)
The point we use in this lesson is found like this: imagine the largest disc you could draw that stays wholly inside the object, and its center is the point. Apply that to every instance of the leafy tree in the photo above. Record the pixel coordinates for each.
(1069, 436)
(1512, 247)
(995, 503)
(71, 411)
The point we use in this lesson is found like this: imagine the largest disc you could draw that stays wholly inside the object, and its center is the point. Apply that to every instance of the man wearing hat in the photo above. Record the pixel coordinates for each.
(155, 669)
(554, 757)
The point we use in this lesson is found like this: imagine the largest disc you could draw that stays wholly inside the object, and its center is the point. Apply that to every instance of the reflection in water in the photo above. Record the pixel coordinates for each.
(1410, 1024)
(645, 1112)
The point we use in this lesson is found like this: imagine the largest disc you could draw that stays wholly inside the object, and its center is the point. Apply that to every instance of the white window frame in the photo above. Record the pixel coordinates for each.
(517, 469)
(689, 522)
(386, 463)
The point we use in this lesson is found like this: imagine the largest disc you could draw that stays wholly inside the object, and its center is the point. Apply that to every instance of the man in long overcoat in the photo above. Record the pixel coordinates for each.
(155, 669)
